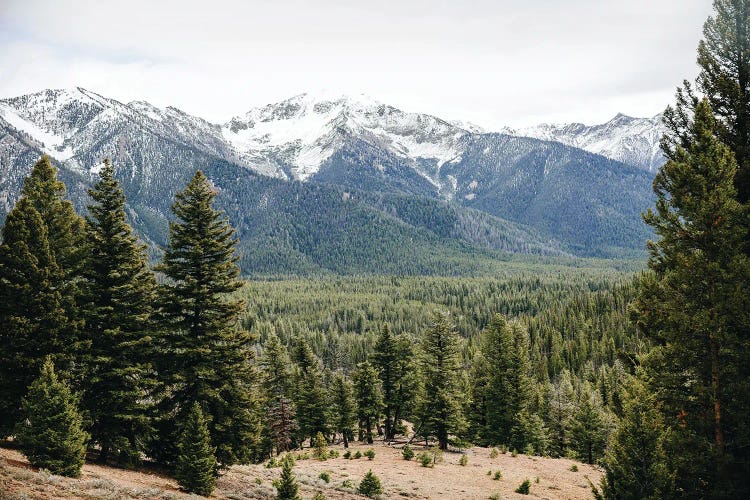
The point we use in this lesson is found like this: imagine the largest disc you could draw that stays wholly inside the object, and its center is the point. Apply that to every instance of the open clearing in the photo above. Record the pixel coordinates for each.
(400, 479)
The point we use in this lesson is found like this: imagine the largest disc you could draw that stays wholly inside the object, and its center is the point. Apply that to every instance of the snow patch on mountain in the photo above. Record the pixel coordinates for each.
(634, 141)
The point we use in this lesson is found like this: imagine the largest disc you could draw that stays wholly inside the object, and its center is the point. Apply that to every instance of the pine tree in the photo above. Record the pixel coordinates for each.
(635, 463)
(205, 354)
(40, 262)
(119, 292)
(393, 359)
(506, 383)
(369, 398)
(343, 408)
(196, 464)
(311, 395)
(51, 437)
(276, 383)
(694, 307)
(286, 486)
(724, 79)
(560, 414)
(385, 359)
(370, 485)
(440, 410)
(588, 429)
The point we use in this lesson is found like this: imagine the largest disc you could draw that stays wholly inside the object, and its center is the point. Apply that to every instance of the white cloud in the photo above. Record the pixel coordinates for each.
(491, 62)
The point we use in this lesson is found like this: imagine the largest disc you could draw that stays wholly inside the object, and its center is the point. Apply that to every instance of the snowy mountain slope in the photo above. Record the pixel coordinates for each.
(350, 144)
(634, 141)
(295, 137)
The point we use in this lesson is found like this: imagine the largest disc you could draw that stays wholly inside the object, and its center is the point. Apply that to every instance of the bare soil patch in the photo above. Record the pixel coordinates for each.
(550, 478)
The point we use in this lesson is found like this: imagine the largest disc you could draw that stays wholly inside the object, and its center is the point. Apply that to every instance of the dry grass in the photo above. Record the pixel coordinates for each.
(550, 478)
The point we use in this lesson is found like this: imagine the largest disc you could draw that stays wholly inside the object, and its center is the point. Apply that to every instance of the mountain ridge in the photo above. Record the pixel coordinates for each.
(338, 147)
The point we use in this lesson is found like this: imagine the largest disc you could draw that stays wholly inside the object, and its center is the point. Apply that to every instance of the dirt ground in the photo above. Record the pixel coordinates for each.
(550, 478)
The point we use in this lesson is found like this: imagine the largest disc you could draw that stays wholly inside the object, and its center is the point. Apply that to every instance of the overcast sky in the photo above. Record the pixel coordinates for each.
(491, 62)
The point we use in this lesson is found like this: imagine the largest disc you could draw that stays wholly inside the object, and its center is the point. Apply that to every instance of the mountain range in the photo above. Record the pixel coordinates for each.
(348, 184)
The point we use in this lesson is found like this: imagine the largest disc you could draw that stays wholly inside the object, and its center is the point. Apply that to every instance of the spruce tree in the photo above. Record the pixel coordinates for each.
(343, 407)
(276, 384)
(635, 463)
(40, 262)
(560, 414)
(370, 485)
(205, 354)
(369, 399)
(588, 429)
(196, 464)
(507, 383)
(51, 436)
(311, 394)
(694, 306)
(119, 292)
(286, 486)
(441, 404)
(724, 80)
(393, 358)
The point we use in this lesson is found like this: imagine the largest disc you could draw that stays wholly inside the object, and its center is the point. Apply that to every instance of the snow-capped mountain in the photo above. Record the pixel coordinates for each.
(634, 141)
(295, 137)
(348, 144)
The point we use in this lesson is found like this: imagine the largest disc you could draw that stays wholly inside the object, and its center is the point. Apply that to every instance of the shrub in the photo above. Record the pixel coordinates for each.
(407, 452)
(325, 476)
(347, 484)
(463, 460)
(494, 453)
(348, 454)
(425, 459)
(370, 453)
(573, 468)
(333, 454)
(51, 436)
(498, 475)
(358, 454)
(319, 444)
(524, 488)
(272, 463)
(319, 496)
(196, 464)
(495, 496)
(370, 485)
(514, 453)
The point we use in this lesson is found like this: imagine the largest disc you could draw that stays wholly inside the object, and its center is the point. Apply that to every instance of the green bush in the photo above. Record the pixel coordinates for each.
(358, 454)
(319, 445)
(347, 484)
(370, 453)
(325, 476)
(463, 460)
(347, 454)
(573, 468)
(494, 453)
(407, 452)
(524, 488)
(370, 485)
(425, 459)
(498, 476)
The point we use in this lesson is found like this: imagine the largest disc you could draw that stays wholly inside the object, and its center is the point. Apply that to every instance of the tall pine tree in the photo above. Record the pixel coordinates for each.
(40, 262)
(441, 404)
(205, 354)
(119, 292)
(344, 408)
(369, 399)
(694, 305)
